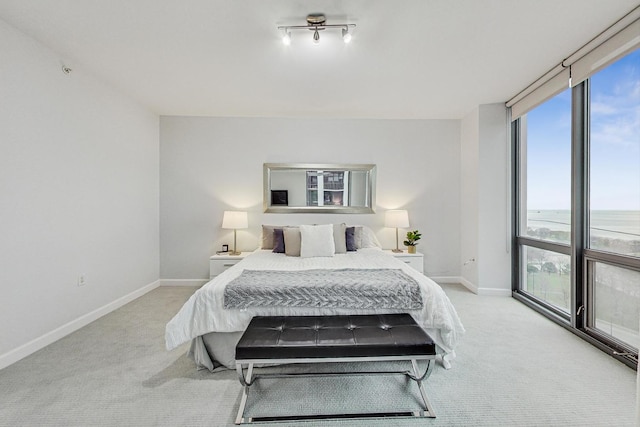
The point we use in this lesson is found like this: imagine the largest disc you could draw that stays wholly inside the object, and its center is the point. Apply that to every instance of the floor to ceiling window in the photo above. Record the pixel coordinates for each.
(577, 203)
(545, 215)
(614, 201)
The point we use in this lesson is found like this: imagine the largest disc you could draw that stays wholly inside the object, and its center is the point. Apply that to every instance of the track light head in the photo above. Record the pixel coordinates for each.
(346, 35)
(286, 38)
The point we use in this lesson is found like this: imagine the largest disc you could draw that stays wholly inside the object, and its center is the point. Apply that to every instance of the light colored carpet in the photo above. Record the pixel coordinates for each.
(514, 367)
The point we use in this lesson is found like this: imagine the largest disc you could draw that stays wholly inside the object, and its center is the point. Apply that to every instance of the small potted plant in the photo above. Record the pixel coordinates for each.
(412, 241)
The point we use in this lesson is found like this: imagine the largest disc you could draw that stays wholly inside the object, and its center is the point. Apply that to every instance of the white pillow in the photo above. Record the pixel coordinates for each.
(369, 239)
(317, 241)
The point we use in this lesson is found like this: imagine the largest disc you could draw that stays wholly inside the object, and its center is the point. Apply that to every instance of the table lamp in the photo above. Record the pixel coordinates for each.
(396, 218)
(234, 220)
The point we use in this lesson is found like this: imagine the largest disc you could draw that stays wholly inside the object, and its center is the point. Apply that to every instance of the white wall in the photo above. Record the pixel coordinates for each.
(469, 147)
(208, 165)
(78, 195)
(485, 201)
(494, 245)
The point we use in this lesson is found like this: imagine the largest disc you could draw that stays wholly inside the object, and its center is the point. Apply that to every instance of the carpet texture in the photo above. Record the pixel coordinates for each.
(514, 367)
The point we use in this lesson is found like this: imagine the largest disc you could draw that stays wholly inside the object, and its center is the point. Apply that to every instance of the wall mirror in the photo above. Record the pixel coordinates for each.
(319, 188)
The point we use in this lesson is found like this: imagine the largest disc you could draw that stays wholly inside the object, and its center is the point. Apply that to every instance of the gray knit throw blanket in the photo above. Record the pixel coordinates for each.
(342, 288)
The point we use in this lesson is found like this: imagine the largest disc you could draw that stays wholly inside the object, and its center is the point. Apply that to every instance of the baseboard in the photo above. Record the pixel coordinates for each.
(36, 344)
(488, 292)
(456, 279)
(469, 285)
(183, 282)
(445, 279)
(494, 292)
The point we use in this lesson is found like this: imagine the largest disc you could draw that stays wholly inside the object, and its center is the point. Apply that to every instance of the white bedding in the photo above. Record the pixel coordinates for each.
(204, 313)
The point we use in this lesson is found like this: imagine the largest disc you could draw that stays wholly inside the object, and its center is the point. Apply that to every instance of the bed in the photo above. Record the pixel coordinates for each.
(215, 330)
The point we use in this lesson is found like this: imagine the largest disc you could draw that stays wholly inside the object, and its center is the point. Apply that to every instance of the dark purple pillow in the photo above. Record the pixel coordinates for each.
(350, 236)
(278, 240)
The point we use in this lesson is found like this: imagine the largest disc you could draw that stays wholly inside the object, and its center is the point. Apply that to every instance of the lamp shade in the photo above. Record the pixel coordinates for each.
(396, 218)
(235, 220)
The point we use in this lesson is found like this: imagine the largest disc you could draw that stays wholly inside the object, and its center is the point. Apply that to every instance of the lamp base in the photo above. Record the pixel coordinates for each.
(397, 250)
(234, 253)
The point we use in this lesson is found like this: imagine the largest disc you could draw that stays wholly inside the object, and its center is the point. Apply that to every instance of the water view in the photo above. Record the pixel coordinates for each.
(615, 231)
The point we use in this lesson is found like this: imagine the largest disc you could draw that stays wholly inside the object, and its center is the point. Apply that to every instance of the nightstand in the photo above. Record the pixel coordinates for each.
(416, 261)
(219, 263)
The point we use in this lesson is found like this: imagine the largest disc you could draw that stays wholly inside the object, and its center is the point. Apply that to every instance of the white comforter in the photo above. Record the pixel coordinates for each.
(204, 312)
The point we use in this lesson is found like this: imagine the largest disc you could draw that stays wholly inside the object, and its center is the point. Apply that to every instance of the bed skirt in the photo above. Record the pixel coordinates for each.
(215, 351)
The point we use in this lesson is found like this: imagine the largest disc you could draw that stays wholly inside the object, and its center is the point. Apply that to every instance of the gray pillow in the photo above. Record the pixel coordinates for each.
(357, 236)
(350, 236)
(339, 238)
(278, 241)
(267, 236)
(292, 241)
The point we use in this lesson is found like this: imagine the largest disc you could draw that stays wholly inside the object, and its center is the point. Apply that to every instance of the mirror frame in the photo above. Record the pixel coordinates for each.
(371, 183)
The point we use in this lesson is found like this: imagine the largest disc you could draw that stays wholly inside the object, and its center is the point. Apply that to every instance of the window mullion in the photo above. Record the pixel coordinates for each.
(623, 261)
(543, 244)
(579, 200)
(516, 262)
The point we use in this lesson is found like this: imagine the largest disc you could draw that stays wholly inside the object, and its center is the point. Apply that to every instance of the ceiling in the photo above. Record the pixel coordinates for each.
(409, 59)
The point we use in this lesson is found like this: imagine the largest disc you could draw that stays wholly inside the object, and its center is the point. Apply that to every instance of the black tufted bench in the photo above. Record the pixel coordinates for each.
(321, 339)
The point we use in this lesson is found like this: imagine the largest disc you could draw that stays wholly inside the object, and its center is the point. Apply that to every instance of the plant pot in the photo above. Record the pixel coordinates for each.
(411, 249)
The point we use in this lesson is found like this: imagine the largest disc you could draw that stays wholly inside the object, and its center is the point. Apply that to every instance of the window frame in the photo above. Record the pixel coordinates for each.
(591, 259)
(581, 318)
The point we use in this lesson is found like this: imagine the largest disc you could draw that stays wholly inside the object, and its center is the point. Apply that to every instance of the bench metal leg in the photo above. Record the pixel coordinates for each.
(246, 383)
(429, 409)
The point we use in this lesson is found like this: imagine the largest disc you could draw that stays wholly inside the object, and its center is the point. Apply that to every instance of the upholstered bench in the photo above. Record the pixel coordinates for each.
(322, 339)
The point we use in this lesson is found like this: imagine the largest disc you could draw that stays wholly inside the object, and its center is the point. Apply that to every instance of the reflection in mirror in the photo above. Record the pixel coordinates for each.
(328, 188)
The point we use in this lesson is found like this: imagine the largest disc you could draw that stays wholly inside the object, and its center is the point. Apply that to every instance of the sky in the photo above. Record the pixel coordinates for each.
(615, 143)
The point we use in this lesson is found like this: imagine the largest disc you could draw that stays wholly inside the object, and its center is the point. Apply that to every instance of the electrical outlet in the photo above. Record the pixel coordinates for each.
(82, 280)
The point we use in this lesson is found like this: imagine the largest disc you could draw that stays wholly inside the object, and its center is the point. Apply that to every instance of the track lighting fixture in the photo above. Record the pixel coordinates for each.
(316, 23)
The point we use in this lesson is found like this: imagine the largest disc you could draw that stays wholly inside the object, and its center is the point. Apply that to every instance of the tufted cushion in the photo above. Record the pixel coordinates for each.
(290, 337)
